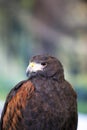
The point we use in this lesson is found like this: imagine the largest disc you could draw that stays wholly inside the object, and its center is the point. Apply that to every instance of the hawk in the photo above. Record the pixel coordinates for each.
(45, 101)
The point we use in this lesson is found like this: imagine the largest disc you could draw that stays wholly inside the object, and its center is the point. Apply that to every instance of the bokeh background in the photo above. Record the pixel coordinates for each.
(54, 27)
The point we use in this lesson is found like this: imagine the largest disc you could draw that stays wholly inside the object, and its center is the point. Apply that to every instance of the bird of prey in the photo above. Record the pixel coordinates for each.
(45, 101)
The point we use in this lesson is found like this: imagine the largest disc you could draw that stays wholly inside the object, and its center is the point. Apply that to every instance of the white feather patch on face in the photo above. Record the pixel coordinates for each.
(34, 67)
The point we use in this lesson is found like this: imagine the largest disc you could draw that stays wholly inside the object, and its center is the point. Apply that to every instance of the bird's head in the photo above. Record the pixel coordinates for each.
(44, 65)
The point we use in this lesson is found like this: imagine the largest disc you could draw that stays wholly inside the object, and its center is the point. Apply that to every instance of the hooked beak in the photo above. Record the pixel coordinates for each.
(33, 67)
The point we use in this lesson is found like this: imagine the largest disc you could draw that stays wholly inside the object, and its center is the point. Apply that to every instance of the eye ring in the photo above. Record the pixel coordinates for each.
(44, 64)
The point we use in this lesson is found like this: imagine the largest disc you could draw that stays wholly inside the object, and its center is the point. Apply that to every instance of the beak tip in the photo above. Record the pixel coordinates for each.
(27, 72)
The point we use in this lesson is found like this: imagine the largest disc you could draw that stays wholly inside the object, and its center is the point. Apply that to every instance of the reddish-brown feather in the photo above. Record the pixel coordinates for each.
(16, 104)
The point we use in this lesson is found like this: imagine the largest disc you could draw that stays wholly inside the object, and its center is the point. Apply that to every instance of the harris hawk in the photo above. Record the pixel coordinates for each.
(45, 101)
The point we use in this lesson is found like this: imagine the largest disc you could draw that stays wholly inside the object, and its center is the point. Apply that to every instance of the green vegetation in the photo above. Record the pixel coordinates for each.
(82, 106)
(5, 86)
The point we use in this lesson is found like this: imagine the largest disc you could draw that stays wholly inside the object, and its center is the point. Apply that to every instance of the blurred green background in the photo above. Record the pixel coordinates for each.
(55, 27)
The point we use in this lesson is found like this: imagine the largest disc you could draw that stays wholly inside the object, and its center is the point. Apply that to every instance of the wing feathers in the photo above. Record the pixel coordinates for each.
(13, 100)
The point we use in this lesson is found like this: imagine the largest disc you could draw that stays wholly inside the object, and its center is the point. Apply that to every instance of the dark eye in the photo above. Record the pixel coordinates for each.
(44, 64)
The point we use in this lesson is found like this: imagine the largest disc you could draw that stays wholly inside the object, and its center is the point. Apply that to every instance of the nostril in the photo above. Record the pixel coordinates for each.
(32, 65)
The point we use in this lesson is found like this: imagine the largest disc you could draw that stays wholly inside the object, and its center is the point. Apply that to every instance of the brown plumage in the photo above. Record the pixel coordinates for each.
(46, 101)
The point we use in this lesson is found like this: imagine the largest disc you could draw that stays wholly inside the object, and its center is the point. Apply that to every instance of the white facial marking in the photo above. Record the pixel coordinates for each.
(34, 67)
